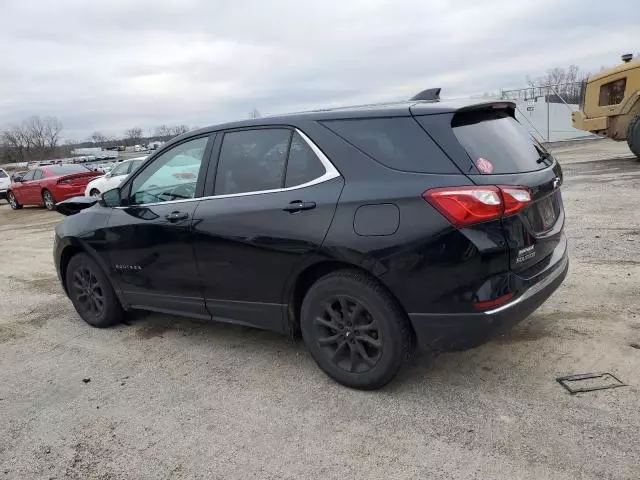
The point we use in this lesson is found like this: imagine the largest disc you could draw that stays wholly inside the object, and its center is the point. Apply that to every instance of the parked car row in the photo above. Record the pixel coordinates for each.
(113, 178)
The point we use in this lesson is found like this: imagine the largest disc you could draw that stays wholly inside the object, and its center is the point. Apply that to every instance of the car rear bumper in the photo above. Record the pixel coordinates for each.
(446, 330)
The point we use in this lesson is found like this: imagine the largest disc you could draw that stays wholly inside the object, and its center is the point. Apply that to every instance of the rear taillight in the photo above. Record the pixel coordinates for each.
(464, 206)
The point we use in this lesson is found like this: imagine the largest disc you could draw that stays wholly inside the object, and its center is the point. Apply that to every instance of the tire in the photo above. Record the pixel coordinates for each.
(13, 201)
(633, 136)
(49, 201)
(91, 292)
(367, 349)
(94, 192)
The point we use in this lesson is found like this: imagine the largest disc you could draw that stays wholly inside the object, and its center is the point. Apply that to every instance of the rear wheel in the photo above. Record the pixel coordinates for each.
(633, 136)
(13, 201)
(355, 330)
(48, 200)
(91, 292)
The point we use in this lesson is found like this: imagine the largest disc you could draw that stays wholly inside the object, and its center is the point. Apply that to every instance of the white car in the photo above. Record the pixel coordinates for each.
(5, 181)
(114, 178)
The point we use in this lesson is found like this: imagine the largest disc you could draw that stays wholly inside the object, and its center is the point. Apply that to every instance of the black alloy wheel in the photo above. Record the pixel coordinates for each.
(91, 292)
(355, 330)
(348, 335)
(88, 292)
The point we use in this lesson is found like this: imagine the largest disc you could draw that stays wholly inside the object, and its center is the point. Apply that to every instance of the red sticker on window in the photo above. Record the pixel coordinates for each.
(484, 165)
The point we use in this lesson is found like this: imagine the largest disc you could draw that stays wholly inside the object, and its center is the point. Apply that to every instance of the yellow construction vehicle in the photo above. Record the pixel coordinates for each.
(611, 104)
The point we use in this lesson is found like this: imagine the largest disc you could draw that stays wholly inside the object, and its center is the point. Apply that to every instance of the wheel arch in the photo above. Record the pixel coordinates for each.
(311, 274)
(74, 247)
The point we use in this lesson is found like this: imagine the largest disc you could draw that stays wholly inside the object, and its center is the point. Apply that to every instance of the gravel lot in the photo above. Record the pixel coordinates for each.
(176, 398)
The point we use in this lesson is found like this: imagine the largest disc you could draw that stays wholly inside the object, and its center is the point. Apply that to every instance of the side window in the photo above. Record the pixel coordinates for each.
(38, 175)
(303, 165)
(28, 176)
(252, 160)
(3, 174)
(171, 176)
(399, 143)
(612, 93)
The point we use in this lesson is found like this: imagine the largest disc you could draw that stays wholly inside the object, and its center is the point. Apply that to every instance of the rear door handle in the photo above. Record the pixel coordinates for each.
(176, 216)
(299, 205)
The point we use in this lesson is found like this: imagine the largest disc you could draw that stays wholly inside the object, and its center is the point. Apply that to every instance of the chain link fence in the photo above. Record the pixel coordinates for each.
(545, 110)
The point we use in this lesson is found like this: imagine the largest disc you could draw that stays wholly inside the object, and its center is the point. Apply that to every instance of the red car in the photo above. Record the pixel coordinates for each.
(49, 185)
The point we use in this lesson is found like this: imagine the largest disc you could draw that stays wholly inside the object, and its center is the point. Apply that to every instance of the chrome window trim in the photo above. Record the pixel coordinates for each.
(330, 173)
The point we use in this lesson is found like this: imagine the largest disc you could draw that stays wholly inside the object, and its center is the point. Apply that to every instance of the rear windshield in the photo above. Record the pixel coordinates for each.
(497, 143)
(67, 169)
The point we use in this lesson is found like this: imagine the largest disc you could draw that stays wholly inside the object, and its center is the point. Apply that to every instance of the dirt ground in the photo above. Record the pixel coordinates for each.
(172, 398)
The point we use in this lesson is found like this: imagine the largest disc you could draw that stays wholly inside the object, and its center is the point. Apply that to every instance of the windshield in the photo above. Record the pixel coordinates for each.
(497, 143)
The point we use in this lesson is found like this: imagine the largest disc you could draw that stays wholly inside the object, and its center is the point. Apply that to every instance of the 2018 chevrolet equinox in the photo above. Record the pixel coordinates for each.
(371, 230)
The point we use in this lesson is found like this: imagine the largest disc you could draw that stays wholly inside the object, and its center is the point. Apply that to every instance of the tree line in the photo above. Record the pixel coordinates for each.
(39, 138)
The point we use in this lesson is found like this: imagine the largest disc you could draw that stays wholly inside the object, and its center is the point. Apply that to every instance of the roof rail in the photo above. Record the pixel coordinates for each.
(428, 94)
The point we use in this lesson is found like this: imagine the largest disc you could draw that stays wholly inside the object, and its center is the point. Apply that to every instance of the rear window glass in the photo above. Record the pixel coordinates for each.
(497, 143)
(399, 143)
(67, 169)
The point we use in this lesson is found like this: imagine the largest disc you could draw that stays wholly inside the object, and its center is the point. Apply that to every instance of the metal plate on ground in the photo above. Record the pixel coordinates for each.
(588, 382)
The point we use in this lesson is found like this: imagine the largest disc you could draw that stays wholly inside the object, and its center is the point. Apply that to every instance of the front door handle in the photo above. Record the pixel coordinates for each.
(299, 205)
(176, 216)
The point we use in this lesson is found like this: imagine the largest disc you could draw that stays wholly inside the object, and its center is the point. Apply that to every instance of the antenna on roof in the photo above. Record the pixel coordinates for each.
(428, 94)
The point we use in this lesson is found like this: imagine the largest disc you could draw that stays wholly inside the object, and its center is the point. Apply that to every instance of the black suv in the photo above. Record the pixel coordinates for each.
(370, 230)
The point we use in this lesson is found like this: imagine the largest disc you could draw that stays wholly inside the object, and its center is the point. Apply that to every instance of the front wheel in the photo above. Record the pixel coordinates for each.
(91, 292)
(355, 330)
(94, 192)
(13, 202)
(633, 136)
(48, 200)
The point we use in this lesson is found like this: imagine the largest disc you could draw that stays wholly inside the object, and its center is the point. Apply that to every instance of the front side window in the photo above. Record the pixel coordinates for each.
(171, 176)
(612, 93)
(252, 160)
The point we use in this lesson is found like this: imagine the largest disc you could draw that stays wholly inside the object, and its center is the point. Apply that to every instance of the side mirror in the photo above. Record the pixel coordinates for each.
(111, 198)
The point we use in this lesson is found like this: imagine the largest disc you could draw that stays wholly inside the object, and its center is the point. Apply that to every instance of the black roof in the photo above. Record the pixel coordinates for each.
(398, 109)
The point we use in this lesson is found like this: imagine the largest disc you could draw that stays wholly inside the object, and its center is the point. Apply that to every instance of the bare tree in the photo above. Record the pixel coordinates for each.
(168, 131)
(33, 139)
(179, 130)
(254, 113)
(565, 83)
(133, 134)
(98, 139)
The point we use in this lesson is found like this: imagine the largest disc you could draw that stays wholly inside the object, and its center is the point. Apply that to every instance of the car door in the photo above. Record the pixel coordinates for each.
(34, 187)
(149, 236)
(21, 189)
(269, 206)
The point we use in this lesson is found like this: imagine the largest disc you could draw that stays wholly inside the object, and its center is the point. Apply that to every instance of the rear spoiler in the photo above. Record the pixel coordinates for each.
(73, 176)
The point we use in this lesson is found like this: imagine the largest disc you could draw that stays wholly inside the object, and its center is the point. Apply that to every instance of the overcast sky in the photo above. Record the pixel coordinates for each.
(113, 64)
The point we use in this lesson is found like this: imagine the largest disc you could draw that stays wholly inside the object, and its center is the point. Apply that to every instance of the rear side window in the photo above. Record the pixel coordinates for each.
(612, 93)
(38, 175)
(252, 160)
(497, 143)
(302, 165)
(399, 143)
